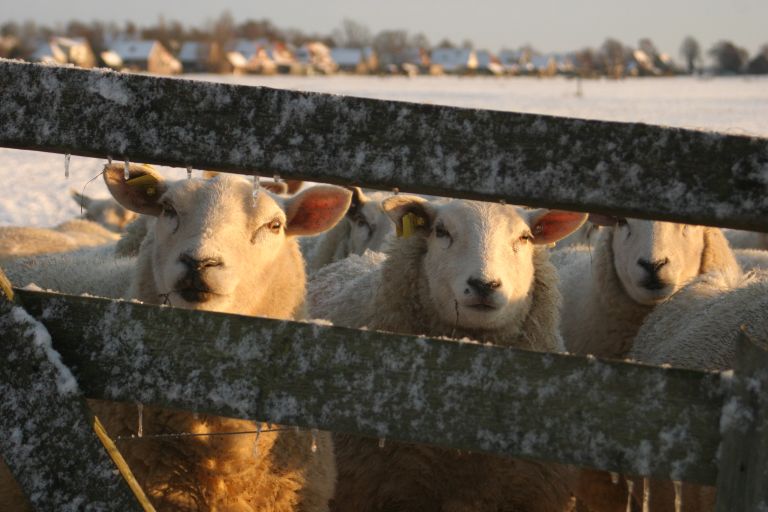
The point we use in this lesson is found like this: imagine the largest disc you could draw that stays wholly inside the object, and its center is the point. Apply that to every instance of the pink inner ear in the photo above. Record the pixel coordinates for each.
(556, 225)
(317, 213)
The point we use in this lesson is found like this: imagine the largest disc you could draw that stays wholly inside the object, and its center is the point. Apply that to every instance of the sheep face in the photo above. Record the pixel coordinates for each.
(370, 227)
(214, 246)
(655, 259)
(106, 212)
(478, 259)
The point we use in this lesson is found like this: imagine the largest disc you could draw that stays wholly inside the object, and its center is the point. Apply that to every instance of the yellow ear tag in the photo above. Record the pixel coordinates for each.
(141, 181)
(410, 223)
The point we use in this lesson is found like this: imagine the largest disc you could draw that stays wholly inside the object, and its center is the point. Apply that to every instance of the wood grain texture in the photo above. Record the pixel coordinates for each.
(609, 415)
(628, 169)
(46, 437)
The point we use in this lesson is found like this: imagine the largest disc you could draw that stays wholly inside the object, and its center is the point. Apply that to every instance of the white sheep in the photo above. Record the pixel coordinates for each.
(211, 246)
(635, 264)
(364, 227)
(107, 212)
(752, 259)
(470, 269)
(746, 239)
(22, 241)
(697, 328)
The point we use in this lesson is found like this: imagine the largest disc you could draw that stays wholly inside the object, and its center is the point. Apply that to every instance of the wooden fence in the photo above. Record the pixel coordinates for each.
(610, 415)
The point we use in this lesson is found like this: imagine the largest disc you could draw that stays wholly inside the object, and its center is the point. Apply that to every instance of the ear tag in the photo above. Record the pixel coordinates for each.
(145, 180)
(410, 222)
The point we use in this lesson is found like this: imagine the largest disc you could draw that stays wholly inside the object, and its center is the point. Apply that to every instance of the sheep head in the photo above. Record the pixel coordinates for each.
(479, 257)
(370, 228)
(216, 247)
(654, 259)
(106, 212)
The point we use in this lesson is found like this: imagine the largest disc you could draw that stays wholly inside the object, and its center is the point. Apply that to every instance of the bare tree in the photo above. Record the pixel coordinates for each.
(352, 34)
(419, 41)
(691, 52)
(728, 57)
(613, 57)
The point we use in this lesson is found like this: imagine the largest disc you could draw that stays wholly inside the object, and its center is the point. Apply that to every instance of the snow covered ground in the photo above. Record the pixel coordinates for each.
(35, 192)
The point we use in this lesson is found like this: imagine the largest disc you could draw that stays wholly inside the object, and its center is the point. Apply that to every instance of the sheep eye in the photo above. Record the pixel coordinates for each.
(526, 237)
(363, 224)
(441, 232)
(275, 226)
(169, 211)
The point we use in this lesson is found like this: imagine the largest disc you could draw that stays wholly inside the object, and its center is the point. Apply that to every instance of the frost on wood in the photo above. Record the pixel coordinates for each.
(609, 415)
(44, 435)
(630, 169)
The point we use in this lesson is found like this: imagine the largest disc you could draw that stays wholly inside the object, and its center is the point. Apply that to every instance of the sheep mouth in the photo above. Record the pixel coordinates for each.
(482, 307)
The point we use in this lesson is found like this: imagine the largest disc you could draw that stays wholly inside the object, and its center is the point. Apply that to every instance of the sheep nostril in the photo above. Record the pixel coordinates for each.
(197, 265)
(483, 288)
(652, 266)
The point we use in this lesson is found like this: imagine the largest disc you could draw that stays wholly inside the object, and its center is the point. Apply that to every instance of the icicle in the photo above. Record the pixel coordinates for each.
(276, 177)
(109, 160)
(314, 441)
(678, 495)
(395, 190)
(256, 441)
(646, 495)
(502, 201)
(256, 188)
(127, 170)
(382, 441)
(66, 165)
(140, 430)
(614, 478)
(296, 429)
(630, 488)
(189, 173)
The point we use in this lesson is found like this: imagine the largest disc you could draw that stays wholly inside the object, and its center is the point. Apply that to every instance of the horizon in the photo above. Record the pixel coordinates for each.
(741, 22)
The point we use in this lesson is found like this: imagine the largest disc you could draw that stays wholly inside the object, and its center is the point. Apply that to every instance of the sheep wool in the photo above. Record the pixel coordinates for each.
(393, 294)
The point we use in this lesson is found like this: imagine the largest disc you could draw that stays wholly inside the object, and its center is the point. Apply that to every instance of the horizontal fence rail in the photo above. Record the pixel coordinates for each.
(628, 169)
(604, 414)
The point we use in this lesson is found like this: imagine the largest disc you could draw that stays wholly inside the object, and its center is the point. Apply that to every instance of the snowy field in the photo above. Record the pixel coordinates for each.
(35, 192)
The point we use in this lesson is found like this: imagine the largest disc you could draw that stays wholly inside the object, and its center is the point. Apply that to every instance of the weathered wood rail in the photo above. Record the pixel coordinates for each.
(617, 416)
(630, 169)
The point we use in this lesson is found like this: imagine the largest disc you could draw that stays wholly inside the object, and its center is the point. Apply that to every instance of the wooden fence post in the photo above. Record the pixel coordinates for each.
(45, 437)
(742, 483)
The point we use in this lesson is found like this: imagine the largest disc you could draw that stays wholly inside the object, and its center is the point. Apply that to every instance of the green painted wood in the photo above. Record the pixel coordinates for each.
(46, 438)
(609, 415)
(628, 169)
(742, 482)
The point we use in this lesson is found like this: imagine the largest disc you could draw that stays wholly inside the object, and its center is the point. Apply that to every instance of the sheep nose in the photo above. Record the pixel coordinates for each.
(652, 267)
(197, 265)
(483, 288)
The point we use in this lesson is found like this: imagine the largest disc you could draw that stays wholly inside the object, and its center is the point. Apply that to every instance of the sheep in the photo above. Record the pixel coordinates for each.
(746, 239)
(107, 212)
(697, 328)
(23, 241)
(364, 227)
(211, 246)
(635, 264)
(470, 269)
(752, 259)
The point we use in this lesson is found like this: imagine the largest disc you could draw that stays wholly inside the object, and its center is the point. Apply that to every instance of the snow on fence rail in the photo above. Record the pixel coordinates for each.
(608, 415)
(630, 169)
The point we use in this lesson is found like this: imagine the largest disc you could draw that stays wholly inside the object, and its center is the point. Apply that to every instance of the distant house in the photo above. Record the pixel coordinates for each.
(488, 63)
(65, 50)
(198, 57)
(8, 46)
(511, 61)
(150, 56)
(315, 57)
(759, 65)
(262, 56)
(355, 60)
(453, 60)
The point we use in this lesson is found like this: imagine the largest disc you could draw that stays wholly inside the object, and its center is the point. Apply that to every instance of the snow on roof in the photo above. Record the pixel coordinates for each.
(191, 50)
(133, 50)
(451, 58)
(347, 56)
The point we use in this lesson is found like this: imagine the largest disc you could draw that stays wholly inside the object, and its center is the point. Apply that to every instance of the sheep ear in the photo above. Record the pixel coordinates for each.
(398, 209)
(358, 199)
(209, 175)
(275, 187)
(315, 210)
(549, 226)
(294, 185)
(603, 220)
(140, 192)
(82, 200)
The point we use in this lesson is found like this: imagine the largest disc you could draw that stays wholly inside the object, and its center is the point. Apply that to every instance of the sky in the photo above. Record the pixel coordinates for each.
(548, 25)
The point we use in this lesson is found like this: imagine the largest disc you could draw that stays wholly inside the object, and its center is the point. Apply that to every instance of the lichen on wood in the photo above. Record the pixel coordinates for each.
(628, 169)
